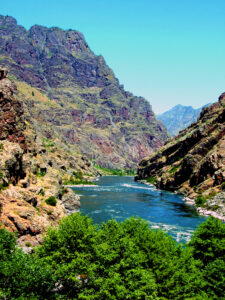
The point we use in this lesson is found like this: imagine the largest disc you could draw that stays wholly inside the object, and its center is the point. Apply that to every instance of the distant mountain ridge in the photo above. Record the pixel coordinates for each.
(75, 98)
(179, 117)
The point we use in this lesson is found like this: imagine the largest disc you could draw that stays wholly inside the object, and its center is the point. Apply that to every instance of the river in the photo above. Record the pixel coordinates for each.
(118, 198)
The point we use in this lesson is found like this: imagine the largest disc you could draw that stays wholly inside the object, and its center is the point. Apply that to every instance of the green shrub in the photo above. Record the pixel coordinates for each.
(214, 207)
(42, 192)
(174, 169)
(64, 191)
(3, 186)
(51, 201)
(200, 201)
(78, 175)
(48, 144)
(41, 173)
(211, 195)
(223, 186)
(151, 180)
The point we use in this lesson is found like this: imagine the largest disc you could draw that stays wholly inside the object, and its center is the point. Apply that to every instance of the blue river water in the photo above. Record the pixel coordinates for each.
(118, 198)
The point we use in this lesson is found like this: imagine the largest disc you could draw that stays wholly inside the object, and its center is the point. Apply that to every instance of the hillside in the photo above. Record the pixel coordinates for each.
(193, 163)
(179, 117)
(33, 170)
(75, 98)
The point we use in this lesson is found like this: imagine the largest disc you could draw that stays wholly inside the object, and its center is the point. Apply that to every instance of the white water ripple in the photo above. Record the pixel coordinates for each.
(177, 231)
(139, 187)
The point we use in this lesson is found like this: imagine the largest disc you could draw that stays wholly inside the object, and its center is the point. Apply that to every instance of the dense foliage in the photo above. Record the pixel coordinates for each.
(22, 276)
(125, 260)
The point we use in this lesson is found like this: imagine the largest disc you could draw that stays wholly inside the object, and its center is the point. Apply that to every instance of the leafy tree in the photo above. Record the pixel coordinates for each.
(214, 274)
(7, 244)
(21, 275)
(208, 241)
(69, 251)
(124, 260)
(208, 246)
(176, 273)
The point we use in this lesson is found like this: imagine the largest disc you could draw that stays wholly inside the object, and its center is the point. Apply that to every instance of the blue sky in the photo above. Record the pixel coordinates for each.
(168, 51)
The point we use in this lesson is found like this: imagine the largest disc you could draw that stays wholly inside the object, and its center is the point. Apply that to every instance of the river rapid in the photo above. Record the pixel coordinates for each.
(119, 198)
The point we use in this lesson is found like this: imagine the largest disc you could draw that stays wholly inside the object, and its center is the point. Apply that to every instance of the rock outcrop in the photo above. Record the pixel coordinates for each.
(193, 163)
(73, 93)
(32, 171)
(11, 124)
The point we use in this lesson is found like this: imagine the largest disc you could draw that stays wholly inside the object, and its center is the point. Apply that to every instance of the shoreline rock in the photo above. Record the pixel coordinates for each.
(201, 210)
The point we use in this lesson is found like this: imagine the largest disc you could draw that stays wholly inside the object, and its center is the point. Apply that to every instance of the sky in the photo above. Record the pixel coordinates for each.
(168, 51)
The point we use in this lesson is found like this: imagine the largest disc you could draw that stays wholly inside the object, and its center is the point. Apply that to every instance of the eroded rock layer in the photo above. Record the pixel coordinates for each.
(32, 170)
(75, 97)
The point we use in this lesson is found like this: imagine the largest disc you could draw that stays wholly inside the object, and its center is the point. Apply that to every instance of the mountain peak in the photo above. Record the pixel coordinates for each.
(74, 96)
(179, 117)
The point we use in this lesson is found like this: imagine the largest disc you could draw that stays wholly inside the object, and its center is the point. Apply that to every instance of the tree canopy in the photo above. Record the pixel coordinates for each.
(126, 260)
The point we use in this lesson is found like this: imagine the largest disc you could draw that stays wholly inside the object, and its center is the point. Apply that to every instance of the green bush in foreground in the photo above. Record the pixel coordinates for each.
(208, 246)
(22, 276)
(126, 260)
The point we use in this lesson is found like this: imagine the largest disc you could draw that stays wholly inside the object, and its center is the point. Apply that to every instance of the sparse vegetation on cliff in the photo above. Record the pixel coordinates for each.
(51, 201)
(115, 172)
(32, 168)
(192, 163)
(74, 97)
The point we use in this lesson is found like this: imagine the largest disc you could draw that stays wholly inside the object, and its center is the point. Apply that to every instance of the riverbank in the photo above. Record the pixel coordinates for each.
(201, 210)
(80, 185)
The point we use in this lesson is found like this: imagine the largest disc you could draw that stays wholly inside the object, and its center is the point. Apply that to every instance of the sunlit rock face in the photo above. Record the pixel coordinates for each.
(76, 96)
(32, 169)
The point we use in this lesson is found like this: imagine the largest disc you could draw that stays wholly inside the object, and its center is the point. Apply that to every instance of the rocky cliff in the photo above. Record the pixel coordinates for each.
(32, 171)
(193, 163)
(75, 98)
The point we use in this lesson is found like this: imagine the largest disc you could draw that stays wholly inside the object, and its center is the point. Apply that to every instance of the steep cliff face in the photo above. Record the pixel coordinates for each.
(74, 94)
(32, 169)
(193, 162)
(11, 122)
